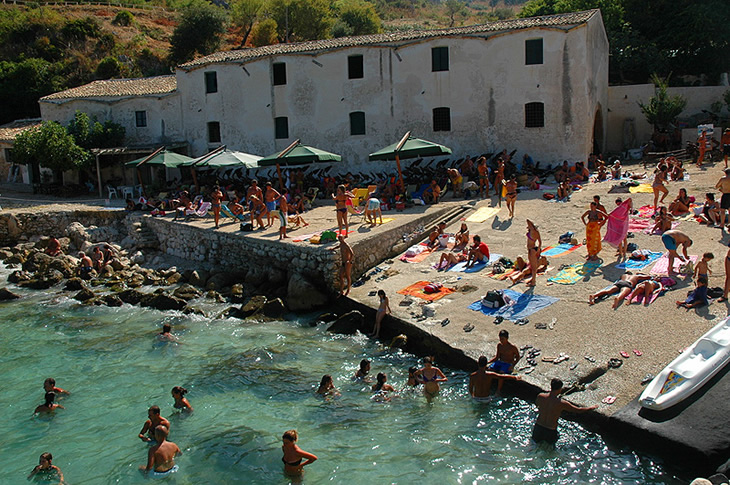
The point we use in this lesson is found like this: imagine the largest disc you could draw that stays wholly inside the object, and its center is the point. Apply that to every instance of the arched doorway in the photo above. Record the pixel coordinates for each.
(597, 145)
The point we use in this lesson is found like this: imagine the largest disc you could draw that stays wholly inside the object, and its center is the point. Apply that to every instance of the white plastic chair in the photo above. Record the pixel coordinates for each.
(138, 188)
(112, 192)
(127, 192)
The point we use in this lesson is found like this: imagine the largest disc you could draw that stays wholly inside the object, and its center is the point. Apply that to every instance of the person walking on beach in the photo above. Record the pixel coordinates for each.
(549, 406)
(154, 420)
(215, 203)
(657, 186)
(161, 456)
(672, 239)
(293, 455)
(723, 185)
(347, 255)
(593, 220)
(47, 470)
(511, 195)
(534, 249)
(483, 171)
(382, 310)
(480, 382)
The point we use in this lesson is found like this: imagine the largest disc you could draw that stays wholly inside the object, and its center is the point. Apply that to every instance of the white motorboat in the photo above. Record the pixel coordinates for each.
(690, 370)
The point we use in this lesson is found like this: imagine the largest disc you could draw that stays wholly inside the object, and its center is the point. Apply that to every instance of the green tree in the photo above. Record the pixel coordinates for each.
(662, 109)
(88, 133)
(51, 146)
(23, 83)
(454, 8)
(199, 31)
(108, 68)
(264, 33)
(360, 17)
(299, 20)
(244, 14)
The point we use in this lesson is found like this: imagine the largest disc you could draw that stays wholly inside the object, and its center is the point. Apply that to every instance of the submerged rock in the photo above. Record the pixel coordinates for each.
(349, 323)
(6, 294)
(74, 284)
(84, 294)
(162, 301)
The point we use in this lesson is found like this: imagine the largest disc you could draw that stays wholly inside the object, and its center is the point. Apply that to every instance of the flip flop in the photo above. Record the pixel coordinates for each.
(498, 319)
(624, 354)
(468, 327)
(638, 352)
(615, 363)
(589, 358)
(573, 367)
(609, 400)
(541, 326)
(445, 322)
(529, 370)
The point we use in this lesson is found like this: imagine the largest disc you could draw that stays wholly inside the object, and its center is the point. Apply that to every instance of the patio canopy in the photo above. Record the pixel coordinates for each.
(298, 154)
(409, 147)
(224, 158)
(164, 157)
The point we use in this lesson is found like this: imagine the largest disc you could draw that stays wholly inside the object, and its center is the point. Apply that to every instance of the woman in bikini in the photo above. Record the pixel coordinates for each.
(461, 238)
(511, 196)
(534, 248)
(430, 376)
(663, 221)
(341, 199)
(215, 198)
(381, 388)
(181, 402)
(382, 309)
(680, 205)
(660, 176)
(293, 455)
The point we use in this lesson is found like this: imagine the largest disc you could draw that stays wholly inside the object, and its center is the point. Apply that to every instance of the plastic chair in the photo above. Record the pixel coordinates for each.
(138, 188)
(112, 192)
(127, 192)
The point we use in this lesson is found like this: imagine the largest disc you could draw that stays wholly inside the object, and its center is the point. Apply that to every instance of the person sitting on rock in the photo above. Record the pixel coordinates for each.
(85, 266)
(54, 247)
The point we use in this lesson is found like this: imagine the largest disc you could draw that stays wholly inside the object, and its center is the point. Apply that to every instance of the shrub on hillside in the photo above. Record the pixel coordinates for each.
(123, 18)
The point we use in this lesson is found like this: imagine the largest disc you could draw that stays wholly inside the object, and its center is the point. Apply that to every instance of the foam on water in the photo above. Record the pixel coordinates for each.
(248, 383)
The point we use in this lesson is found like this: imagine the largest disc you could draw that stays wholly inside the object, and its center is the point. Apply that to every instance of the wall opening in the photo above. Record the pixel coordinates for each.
(597, 145)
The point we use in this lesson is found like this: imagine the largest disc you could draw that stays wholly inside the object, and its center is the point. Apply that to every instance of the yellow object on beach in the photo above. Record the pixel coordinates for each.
(483, 213)
(386, 220)
(641, 188)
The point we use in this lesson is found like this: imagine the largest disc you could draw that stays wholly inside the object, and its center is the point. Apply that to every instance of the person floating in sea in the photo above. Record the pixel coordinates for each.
(49, 385)
(549, 406)
(430, 376)
(480, 382)
(47, 471)
(161, 456)
(181, 402)
(347, 255)
(382, 310)
(362, 372)
(166, 334)
(154, 420)
(48, 406)
(381, 388)
(327, 387)
(293, 455)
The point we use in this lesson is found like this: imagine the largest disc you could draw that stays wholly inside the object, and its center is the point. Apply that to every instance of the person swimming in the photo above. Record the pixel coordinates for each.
(47, 470)
(327, 386)
(381, 388)
(430, 376)
(166, 335)
(178, 393)
(49, 385)
(49, 406)
(362, 372)
(293, 455)
(154, 420)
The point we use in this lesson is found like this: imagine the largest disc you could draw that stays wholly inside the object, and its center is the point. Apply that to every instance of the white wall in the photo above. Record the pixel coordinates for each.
(486, 88)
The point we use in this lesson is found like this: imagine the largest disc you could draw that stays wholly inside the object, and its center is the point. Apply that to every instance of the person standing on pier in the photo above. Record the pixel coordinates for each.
(550, 405)
(347, 255)
(253, 191)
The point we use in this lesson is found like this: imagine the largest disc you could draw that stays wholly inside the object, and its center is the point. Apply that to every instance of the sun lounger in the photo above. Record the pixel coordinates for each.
(202, 211)
(226, 212)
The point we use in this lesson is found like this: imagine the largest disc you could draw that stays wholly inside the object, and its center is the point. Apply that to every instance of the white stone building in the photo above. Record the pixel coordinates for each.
(537, 85)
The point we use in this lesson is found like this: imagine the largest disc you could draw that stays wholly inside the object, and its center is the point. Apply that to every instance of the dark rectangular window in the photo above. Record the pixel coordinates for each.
(357, 123)
(214, 132)
(441, 119)
(440, 59)
(354, 67)
(534, 115)
(533, 51)
(211, 82)
(281, 127)
(279, 73)
(140, 119)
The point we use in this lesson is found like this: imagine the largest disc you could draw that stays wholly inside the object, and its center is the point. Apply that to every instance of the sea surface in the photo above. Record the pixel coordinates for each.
(249, 382)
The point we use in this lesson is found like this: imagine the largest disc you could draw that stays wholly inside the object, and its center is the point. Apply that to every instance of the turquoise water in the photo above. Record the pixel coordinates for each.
(248, 383)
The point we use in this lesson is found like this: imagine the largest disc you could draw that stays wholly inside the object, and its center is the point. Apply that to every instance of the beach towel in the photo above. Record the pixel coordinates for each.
(525, 304)
(645, 225)
(645, 211)
(483, 213)
(418, 257)
(461, 267)
(636, 264)
(593, 238)
(575, 272)
(642, 189)
(617, 226)
(559, 250)
(416, 289)
(502, 276)
(385, 220)
(305, 237)
(662, 264)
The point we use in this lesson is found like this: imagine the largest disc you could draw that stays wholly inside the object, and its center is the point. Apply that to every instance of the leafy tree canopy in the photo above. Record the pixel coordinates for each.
(89, 133)
(360, 17)
(51, 146)
(662, 109)
(305, 19)
(199, 31)
(244, 14)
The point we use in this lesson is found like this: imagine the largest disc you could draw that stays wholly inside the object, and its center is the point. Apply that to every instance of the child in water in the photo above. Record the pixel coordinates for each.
(178, 393)
(382, 309)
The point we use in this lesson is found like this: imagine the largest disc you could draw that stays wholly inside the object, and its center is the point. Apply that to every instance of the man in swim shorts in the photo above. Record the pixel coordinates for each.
(549, 406)
(150, 426)
(725, 140)
(161, 457)
(253, 191)
(507, 355)
(672, 239)
(271, 196)
(723, 185)
(480, 382)
(85, 266)
(479, 252)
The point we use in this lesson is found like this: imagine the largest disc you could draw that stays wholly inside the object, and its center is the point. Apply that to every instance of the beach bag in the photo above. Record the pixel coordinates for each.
(493, 299)
(565, 238)
(632, 247)
(443, 240)
(505, 262)
(432, 288)
(328, 236)
(497, 268)
(548, 196)
(715, 292)
(246, 226)
(316, 239)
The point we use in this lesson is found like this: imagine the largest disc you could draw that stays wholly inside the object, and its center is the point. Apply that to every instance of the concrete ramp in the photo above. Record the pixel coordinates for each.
(693, 435)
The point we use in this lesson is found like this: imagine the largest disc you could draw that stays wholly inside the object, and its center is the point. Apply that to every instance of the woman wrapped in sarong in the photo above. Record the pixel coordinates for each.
(593, 220)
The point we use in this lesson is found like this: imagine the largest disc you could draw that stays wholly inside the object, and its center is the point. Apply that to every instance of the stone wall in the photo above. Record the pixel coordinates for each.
(108, 225)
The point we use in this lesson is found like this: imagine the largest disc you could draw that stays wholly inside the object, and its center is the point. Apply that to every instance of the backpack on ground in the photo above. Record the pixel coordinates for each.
(246, 226)
(493, 299)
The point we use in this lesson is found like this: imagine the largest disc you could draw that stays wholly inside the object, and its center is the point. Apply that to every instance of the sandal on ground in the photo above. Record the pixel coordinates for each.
(499, 319)
(624, 354)
(638, 352)
(468, 327)
(614, 363)
(609, 400)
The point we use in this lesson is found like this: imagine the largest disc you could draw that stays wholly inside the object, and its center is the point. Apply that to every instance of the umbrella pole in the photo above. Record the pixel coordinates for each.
(195, 179)
(139, 177)
(98, 176)
(400, 174)
(281, 182)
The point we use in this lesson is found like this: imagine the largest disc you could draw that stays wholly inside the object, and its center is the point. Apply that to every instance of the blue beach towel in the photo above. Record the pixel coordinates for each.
(525, 305)
(461, 267)
(635, 264)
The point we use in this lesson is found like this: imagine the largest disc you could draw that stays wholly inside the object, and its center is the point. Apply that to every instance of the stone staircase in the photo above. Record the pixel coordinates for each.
(143, 236)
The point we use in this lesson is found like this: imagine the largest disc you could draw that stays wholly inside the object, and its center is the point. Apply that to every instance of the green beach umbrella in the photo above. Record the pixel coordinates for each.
(298, 154)
(409, 147)
(224, 159)
(168, 159)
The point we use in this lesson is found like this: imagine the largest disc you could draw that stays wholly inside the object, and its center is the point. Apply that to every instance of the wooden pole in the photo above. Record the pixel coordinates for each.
(281, 182)
(98, 176)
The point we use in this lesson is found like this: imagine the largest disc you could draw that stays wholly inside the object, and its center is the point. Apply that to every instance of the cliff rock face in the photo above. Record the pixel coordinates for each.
(302, 295)
(349, 323)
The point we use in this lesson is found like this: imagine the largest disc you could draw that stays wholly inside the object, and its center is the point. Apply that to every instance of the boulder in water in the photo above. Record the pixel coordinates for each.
(6, 294)
(44, 280)
(162, 301)
(131, 296)
(348, 324)
(303, 295)
(19, 276)
(271, 310)
(84, 295)
(111, 300)
(252, 306)
(186, 292)
(74, 284)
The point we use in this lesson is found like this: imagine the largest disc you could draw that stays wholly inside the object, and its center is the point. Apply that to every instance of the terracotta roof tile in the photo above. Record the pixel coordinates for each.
(145, 86)
(243, 55)
(9, 131)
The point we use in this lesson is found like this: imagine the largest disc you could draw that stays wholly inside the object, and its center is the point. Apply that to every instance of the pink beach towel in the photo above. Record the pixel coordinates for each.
(618, 224)
(662, 264)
